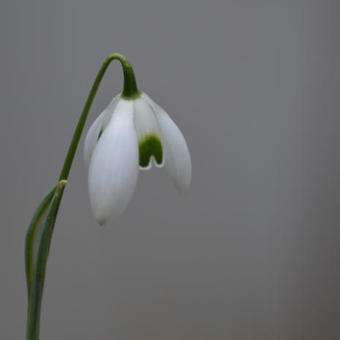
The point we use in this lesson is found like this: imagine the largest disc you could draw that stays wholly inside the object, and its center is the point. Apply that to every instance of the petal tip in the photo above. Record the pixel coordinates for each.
(183, 187)
(101, 221)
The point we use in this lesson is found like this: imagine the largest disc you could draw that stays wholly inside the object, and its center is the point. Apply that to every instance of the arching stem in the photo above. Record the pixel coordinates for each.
(130, 91)
(40, 231)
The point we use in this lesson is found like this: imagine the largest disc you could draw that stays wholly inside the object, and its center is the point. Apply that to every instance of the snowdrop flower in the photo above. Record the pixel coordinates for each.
(132, 133)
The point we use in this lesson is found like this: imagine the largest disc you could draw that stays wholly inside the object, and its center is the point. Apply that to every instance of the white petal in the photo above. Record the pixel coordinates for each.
(145, 120)
(146, 125)
(113, 168)
(93, 132)
(176, 153)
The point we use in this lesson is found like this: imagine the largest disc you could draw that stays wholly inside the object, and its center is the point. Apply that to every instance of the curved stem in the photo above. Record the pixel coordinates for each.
(36, 278)
(130, 91)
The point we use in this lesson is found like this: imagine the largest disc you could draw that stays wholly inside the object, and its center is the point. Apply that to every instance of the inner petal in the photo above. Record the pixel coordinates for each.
(149, 140)
(150, 146)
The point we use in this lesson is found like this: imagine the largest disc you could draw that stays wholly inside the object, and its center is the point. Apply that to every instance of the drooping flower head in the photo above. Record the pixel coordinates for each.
(132, 133)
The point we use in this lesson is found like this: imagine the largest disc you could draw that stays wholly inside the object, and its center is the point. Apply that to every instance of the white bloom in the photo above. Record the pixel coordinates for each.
(127, 136)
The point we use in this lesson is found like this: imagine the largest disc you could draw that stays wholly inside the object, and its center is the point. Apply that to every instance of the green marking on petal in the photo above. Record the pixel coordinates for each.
(100, 133)
(149, 146)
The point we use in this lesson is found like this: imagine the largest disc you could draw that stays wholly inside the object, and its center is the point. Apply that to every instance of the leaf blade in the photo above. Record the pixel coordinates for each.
(39, 268)
(33, 230)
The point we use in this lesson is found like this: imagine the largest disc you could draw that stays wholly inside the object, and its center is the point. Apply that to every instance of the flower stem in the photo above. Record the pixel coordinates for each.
(130, 91)
(36, 264)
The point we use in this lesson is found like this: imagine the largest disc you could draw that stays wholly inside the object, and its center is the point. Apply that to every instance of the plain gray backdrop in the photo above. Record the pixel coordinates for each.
(252, 252)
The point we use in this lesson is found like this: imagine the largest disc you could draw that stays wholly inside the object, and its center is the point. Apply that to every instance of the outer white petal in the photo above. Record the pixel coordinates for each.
(93, 132)
(176, 153)
(113, 167)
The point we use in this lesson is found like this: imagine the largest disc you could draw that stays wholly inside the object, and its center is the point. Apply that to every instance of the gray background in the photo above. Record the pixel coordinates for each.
(252, 251)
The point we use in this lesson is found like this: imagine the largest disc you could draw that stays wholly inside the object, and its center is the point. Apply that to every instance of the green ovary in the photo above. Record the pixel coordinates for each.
(149, 146)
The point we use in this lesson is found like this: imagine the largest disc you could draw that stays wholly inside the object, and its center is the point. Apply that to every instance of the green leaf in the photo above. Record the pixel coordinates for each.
(38, 242)
(33, 236)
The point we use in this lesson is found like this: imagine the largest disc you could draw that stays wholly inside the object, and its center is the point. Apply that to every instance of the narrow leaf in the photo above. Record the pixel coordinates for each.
(40, 249)
(33, 236)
